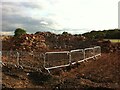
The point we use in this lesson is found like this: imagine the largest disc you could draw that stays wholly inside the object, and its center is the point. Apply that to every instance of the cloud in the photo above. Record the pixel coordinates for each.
(16, 14)
(31, 5)
(43, 22)
(10, 23)
(58, 15)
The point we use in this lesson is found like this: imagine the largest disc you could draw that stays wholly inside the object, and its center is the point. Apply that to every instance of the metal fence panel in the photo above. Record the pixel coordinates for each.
(97, 51)
(76, 55)
(31, 59)
(10, 57)
(49, 60)
(56, 59)
(89, 53)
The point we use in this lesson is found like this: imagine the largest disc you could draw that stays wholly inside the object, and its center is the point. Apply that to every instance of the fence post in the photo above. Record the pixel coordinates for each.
(7, 58)
(95, 58)
(0, 56)
(100, 50)
(0, 59)
(44, 60)
(70, 58)
(84, 53)
(18, 59)
(45, 63)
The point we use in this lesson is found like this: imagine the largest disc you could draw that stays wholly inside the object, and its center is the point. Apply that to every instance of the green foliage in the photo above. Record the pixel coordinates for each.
(19, 31)
(66, 33)
(106, 34)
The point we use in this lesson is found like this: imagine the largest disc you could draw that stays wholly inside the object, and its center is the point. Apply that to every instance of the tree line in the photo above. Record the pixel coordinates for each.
(105, 34)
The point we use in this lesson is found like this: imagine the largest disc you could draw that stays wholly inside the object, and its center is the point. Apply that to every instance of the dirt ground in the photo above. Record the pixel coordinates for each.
(100, 74)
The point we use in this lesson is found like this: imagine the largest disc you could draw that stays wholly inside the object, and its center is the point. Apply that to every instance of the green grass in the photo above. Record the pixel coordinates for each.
(114, 40)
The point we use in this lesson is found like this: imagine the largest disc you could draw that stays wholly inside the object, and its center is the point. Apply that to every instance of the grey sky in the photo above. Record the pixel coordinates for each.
(74, 16)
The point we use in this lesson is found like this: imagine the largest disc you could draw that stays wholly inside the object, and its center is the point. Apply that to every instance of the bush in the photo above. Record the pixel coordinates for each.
(19, 31)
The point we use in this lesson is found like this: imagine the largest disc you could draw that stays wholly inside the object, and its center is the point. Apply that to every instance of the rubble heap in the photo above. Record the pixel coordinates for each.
(44, 41)
(30, 42)
(27, 42)
(62, 42)
(107, 46)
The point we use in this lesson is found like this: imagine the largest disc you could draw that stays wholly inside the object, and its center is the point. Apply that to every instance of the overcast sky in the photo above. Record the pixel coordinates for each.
(73, 16)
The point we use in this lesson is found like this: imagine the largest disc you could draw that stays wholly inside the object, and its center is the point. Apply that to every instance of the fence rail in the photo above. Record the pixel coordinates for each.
(48, 60)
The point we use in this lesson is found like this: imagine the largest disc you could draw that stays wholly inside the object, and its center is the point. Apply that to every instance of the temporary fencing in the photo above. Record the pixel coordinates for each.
(56, 59)
(10, 57)
(97, 51)
(49, 60)
(89, 53)
(31, 59)
(76, 56)
(65, 58)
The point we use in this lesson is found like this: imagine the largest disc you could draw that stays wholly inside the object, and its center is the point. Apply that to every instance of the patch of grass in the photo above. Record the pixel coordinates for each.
(113, 40)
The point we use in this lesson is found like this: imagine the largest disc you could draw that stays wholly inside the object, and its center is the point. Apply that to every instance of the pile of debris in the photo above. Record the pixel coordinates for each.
(44, 41)
(61, 41)
(3, 37)
(27, 42)
(107, 46)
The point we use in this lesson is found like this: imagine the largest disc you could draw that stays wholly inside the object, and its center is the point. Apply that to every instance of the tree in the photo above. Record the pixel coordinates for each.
(105, 34)
(19, 31)
(66, 33)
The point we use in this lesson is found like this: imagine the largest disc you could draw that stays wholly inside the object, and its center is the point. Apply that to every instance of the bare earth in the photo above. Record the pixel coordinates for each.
(100, 74)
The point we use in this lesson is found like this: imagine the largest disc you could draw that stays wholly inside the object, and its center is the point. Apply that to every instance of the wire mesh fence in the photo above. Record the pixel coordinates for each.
(48, 60)
(62, 59)
(56, 59)
(89, 53)
(76, 55)
(31, 59)
(97, 51)
(10, 57)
